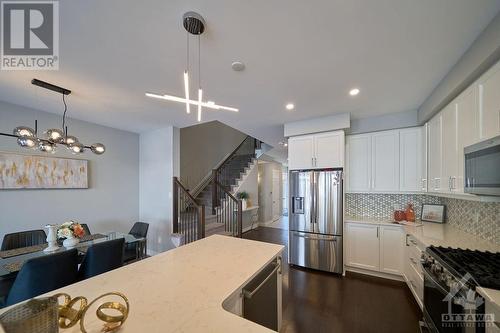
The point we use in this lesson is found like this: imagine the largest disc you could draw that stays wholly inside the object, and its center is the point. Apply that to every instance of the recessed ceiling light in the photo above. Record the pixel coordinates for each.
(354, 92)
(238, 66)
(290, 106)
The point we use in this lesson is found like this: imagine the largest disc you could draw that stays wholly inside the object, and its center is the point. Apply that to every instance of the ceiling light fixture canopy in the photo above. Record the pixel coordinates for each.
(27, 137)
(194, 24)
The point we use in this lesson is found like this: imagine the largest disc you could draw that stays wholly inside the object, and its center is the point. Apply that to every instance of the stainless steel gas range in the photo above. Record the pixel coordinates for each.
(451, 303)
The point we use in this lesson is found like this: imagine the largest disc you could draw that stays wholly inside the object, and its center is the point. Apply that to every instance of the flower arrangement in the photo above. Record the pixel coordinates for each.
(70, 229)
(242, 195)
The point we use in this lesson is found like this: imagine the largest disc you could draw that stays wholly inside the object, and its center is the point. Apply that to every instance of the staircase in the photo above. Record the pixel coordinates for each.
(222, 213)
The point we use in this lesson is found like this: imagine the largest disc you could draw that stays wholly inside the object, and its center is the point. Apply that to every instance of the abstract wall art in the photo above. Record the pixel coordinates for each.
(19, 171)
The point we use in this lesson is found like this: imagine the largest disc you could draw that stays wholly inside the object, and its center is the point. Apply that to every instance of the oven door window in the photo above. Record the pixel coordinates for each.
(482, 168)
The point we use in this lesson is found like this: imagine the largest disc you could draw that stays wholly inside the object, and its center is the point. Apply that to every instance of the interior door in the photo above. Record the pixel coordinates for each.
(328, 202)
(301, 201)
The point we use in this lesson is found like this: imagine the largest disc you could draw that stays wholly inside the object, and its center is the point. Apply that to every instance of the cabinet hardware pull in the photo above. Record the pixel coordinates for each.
(377, 232)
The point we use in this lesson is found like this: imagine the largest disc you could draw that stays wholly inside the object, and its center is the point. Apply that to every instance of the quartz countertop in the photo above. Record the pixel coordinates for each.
(436, 234)
(182, 290)
(490, 295)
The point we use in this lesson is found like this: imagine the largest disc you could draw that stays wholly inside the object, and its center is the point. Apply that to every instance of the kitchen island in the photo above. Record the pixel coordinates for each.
(186, 289)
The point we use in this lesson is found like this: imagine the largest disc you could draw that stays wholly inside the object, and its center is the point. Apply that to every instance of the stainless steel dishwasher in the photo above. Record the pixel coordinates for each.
(260, 297)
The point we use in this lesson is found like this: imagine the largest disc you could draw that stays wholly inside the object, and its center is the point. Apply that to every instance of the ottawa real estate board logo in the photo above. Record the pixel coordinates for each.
(29, 35)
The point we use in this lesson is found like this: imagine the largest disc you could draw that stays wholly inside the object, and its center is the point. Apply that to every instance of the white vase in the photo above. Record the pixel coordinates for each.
(51, 238)
(244, 204)
(70, 242)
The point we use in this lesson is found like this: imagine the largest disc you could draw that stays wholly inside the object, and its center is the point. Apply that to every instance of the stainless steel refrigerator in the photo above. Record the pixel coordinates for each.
(316, 219)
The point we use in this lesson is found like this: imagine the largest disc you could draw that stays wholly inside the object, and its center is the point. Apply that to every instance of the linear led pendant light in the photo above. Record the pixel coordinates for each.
(194, 25)
(28, 137)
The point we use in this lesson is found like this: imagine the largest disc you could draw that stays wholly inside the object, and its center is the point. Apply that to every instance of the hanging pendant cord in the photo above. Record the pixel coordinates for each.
(64, 115)
(199, 62)
(187, 53)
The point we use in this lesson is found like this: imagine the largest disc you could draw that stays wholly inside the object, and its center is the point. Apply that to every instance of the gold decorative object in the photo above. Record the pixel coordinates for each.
(69, 316)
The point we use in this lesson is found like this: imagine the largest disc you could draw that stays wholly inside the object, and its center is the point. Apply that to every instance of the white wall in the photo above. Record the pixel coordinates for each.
(159, 162)
(111, 203)
(384, 122)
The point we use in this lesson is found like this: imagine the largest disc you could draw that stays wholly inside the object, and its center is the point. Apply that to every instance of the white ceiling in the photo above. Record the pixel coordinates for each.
(306, 52)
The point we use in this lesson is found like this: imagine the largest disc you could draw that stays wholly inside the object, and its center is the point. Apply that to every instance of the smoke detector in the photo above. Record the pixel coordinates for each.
(238, 66)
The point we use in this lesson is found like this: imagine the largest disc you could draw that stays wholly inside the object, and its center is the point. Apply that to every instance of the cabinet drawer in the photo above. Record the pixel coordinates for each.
(416, 284)
(414, 256)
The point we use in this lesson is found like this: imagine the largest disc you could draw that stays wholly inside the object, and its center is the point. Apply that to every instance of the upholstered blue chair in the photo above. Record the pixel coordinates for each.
(101, 258)
(43, 274)
(23, 239)
(139, 229)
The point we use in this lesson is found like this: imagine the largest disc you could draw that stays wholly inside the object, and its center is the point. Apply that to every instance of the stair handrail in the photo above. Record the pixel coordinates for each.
(200, 208)
(239, 205)
(216, 172)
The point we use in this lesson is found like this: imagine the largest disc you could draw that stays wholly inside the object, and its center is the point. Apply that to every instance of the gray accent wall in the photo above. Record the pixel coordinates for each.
(111, 203)
(203, 146)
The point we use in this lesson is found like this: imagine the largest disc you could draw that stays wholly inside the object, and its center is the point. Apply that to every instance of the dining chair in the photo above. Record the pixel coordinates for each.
(43, 274)
(139, 229)
(86, 228)
(23, 239)
(101, 258)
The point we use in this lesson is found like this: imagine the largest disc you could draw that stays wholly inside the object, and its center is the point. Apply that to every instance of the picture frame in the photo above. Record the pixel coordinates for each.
(433, 213)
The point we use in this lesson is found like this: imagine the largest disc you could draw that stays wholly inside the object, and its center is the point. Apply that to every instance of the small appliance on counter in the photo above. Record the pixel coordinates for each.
(316, 219)
(451, 276)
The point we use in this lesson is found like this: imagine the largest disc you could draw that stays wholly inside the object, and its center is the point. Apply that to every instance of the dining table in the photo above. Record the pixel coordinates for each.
(11, 261)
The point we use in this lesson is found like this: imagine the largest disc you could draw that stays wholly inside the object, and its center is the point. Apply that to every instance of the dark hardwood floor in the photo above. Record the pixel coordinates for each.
(314, 301)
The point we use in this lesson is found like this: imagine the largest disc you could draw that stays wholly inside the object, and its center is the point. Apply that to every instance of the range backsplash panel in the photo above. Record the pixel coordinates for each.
(478, 218)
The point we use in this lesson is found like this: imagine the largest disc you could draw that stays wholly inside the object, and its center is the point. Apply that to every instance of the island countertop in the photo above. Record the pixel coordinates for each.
(182, 290)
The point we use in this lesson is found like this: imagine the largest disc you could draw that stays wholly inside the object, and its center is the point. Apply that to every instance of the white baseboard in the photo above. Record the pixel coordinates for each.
(377, 274)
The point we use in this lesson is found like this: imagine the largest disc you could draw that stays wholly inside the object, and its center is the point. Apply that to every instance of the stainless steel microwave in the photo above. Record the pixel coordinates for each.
(482, 167)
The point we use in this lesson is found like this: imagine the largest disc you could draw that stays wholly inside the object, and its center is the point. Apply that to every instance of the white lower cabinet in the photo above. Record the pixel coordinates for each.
(375, 247)
(387, 251)
(363, 246)
(391, 247)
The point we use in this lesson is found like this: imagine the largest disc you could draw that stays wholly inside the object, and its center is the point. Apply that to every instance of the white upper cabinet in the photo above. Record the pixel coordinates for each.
(412, 158)
(301, 152)
(388, 161)
(434, 154)
(449, 166)
(329, 150)
(489, 102)
(359, 162)
(468, 131)
(385, 161)
(317, 151)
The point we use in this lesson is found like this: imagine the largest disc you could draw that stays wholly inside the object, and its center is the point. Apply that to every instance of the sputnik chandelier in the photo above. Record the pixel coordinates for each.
(194, 25)
(27, 137)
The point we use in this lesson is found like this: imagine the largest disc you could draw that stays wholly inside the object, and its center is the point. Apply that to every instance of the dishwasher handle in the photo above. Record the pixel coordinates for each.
(249, 294)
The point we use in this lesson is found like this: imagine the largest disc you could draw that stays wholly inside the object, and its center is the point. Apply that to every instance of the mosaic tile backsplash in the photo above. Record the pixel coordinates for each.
(478, 218)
